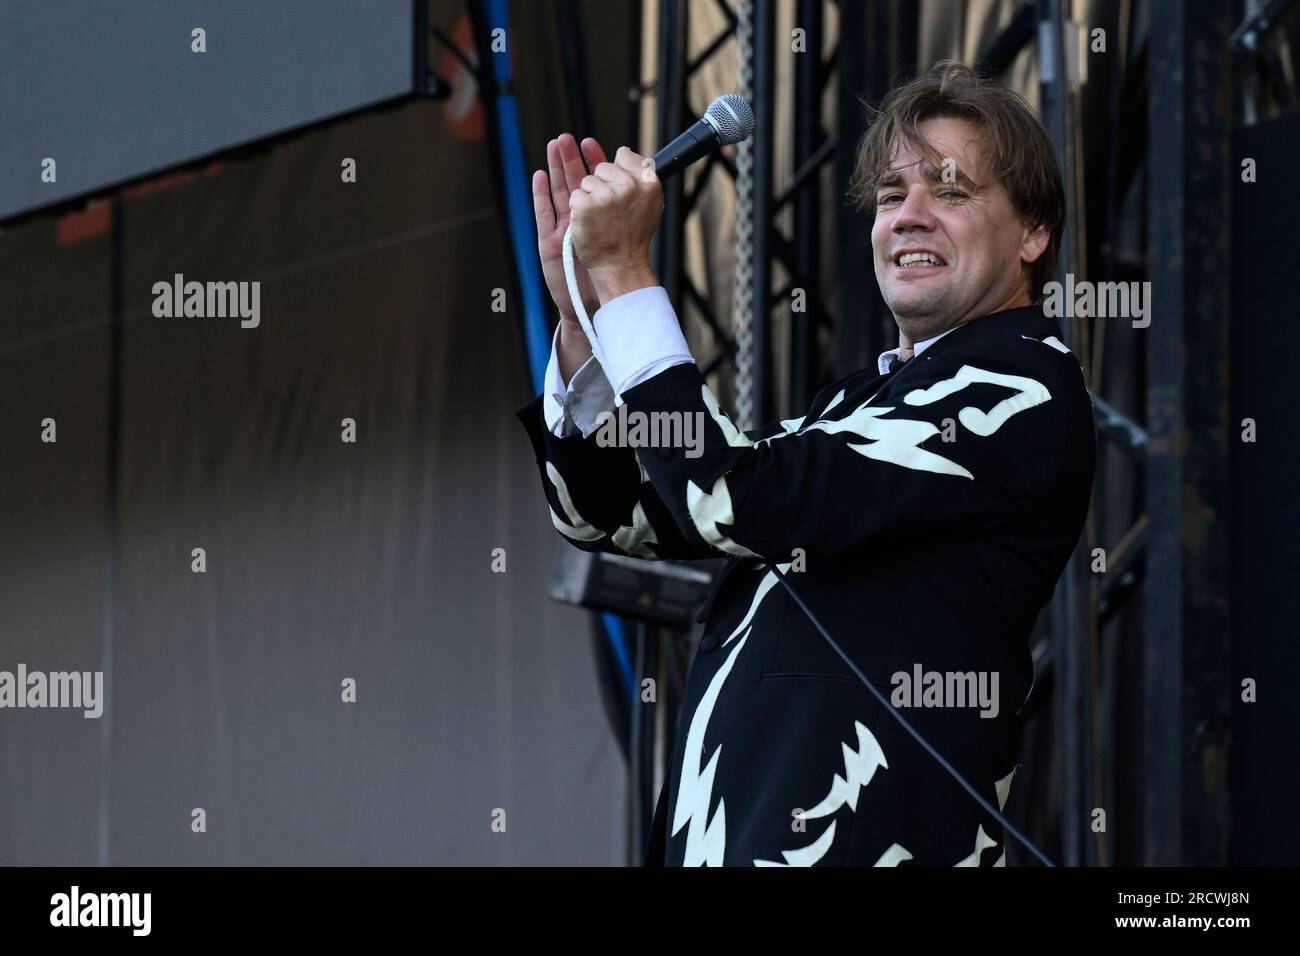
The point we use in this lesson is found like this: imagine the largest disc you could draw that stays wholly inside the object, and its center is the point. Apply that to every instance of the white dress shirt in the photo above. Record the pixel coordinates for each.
(882, 361)
(640, 337)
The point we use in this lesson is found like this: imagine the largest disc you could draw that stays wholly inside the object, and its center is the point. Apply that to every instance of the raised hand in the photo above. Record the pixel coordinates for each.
(551, 197)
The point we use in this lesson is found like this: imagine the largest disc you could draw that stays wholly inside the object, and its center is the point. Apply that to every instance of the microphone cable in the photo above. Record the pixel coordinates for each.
(1007, 825)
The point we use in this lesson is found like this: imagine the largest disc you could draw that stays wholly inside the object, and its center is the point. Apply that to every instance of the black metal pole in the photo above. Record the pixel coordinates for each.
(641, 752)
(860, 324)
(808, 136)
(672, 52)
(1187, 678)
(1070, 725)
(573, 56)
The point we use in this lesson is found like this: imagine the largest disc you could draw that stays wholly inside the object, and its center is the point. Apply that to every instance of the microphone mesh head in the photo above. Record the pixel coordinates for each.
(732, 117)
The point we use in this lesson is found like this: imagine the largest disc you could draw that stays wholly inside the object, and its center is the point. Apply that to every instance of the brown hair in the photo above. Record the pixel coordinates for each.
(1017, 151)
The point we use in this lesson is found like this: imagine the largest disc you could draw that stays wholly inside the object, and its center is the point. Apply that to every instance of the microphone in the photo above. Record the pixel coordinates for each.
(729, 119)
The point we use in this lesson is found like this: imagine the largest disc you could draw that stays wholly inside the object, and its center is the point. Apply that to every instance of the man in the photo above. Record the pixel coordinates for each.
(923, 508)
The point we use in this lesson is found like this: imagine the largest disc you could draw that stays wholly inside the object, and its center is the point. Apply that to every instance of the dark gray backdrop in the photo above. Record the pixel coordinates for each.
(325, 560)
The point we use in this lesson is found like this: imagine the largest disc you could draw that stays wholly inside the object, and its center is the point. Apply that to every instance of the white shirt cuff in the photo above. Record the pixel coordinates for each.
(639, 337)
(574, 408)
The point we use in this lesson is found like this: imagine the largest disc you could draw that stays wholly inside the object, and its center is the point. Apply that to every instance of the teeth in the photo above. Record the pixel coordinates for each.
(910, 258)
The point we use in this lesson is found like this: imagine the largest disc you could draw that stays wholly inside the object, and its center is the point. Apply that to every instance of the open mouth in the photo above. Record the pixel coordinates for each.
(918, 259)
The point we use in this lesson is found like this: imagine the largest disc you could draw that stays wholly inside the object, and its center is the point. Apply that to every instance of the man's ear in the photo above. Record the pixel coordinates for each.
(1033, 243)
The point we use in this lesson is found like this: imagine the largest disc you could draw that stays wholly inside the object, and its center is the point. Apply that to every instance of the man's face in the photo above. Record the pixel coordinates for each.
(967, 223)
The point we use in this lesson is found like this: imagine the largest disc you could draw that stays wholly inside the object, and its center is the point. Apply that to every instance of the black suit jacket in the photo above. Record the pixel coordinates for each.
(924, 516)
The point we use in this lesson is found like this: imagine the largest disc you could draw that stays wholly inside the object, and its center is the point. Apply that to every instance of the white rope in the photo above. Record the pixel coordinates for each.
(571, 277)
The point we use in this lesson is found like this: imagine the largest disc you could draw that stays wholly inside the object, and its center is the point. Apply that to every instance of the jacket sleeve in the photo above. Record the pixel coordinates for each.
(963, 449)
(600, 498)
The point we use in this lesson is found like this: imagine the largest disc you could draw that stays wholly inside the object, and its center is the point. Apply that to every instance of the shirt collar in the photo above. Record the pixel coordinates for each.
(882, 361)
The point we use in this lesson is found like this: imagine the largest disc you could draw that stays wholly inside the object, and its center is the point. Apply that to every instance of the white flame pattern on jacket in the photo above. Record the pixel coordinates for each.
(707, 840)
(893, 440)
(859, 767)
